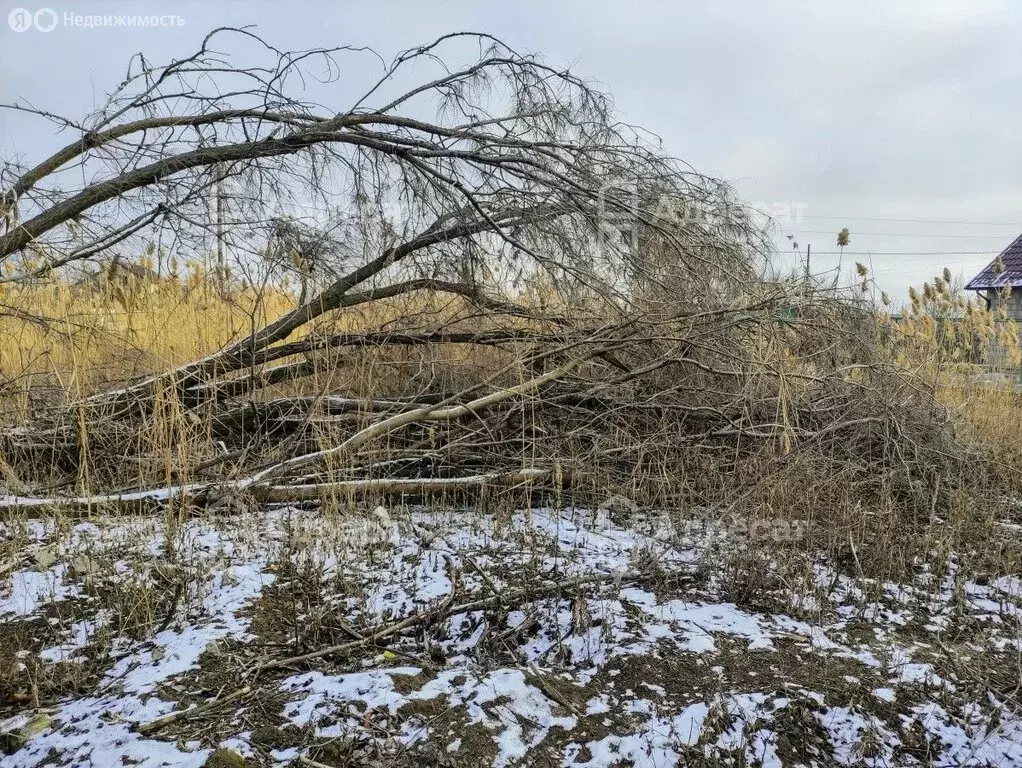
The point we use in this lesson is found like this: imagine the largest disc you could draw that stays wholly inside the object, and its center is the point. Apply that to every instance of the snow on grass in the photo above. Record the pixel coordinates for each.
(80, 635)
(578, 641)
(523, 715)
(30, 589)
(97, 730)
(968, 739)
(320, 696)
(331, 698)
(858, 739)
(655, 742)
(698, 622)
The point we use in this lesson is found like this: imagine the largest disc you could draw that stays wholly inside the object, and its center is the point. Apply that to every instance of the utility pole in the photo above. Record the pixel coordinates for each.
(808, 257)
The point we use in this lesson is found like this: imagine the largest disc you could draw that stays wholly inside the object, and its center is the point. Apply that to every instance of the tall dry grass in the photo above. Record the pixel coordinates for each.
(79, 336)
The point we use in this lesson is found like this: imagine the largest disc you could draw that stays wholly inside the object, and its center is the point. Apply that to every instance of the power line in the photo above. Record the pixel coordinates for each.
(912, 221)
(897, 270)
(895, 234)
(905, 253)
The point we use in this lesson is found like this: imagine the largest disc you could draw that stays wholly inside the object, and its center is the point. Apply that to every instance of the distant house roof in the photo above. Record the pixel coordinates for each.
(1011, 258)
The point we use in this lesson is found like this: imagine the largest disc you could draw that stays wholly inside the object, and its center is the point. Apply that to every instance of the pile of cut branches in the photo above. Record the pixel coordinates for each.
(504, 287)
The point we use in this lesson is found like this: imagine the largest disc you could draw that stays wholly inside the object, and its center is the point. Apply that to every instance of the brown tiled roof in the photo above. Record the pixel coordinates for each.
(1011, 257)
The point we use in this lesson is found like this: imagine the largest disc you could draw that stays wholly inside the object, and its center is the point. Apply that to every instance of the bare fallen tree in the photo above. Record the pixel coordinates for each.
(627, 339)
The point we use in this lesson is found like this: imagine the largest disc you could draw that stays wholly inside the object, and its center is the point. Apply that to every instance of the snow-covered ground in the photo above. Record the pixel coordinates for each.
(111, 624)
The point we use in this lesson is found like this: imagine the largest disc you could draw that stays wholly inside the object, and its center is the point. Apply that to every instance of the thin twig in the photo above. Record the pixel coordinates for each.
(148, 729)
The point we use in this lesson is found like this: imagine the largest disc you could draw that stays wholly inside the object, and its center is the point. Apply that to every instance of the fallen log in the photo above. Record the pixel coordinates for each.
(141, 501)
(416, 485)
(151, 499)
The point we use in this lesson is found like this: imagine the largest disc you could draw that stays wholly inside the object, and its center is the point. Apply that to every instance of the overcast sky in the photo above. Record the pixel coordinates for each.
(901, 121)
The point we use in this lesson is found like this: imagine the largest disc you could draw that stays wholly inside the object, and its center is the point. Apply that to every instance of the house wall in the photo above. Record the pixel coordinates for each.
(1014, 303)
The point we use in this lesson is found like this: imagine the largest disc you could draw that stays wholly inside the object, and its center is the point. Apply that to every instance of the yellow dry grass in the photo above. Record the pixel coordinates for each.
(84, 334)
(76, 338)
